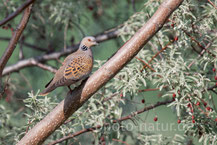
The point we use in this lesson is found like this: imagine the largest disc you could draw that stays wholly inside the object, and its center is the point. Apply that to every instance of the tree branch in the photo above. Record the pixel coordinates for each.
(212, 4)
(151, 89)
(112, 33)
(114, 121)
(12, 44)
(117, 140)
(80, 95)
(159, 52)
(26, 44)
(18, 11)
(198, 43)
(43, 66)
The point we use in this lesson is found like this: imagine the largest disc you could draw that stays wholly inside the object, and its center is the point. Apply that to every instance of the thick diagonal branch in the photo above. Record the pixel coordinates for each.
(81, 94)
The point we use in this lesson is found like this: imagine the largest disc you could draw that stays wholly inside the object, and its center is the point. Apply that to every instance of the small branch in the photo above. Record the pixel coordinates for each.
(154, 89)
(18, 11)
(110, 97)
(212, 4)
(156, 49)
(164, 48)
(12, 44)
(27, 128)
(145, 64)
(134, 6)
(198, 43)
(26, 44)
(65, 35)
(161, 46)
(107, 35)
(201, 54)
(45, 67)
(124, 142)
(114, 121)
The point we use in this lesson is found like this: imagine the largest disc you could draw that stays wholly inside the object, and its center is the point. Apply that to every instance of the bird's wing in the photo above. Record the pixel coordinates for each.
(78, 67)
(48, 83)
(73, 69)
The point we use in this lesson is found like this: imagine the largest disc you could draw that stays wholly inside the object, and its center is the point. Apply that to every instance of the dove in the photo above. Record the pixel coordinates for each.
(75, 68)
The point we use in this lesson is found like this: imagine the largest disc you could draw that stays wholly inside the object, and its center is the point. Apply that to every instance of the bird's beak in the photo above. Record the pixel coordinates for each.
(95, 43)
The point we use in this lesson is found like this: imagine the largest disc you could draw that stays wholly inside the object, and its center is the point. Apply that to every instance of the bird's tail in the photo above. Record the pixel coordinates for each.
(44, 94)
(47, 90)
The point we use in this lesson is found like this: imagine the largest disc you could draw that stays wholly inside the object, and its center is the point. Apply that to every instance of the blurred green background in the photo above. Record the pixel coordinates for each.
(91, 22)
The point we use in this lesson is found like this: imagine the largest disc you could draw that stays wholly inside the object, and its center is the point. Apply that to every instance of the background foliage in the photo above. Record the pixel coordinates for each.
(184, 72)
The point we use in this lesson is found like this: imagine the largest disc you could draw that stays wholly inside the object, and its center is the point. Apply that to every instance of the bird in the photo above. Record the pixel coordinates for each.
(75, 68)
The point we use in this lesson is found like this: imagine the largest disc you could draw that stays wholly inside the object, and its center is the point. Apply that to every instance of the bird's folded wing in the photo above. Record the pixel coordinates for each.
(77, 68)
(61, 82)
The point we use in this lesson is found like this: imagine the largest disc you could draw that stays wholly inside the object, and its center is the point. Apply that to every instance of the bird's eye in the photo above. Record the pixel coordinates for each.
(89, 39)
(84, 48)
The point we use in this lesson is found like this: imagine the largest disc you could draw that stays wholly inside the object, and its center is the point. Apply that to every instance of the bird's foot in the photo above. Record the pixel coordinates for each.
(70, 90)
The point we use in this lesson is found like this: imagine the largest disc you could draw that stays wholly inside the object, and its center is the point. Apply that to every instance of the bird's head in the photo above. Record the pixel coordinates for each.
(89, 41)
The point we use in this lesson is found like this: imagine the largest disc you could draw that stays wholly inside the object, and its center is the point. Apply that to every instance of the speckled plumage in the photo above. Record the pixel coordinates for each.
(76, 67)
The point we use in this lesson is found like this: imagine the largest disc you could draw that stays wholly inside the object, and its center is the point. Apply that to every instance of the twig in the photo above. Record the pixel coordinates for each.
(201, 54)
(12, 44)
(74, 100)
(110, 97)
(124, 142)
(45, 67)
(199, 108)
(198, 43)
(18, 11)
(134, 6)
(145, 64)
(27, 128)
(153, 89)
(155, 48)
(212, 4)
(26, 44)
(161, 46)
(164, 48)
(114, 121)
(65, 35)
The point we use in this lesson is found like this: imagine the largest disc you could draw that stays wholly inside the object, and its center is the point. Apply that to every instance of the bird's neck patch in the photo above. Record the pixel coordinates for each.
(84, 47)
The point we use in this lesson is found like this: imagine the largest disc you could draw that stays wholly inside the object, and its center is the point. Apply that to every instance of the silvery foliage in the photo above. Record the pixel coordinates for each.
(190, 83)
(148, 139)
